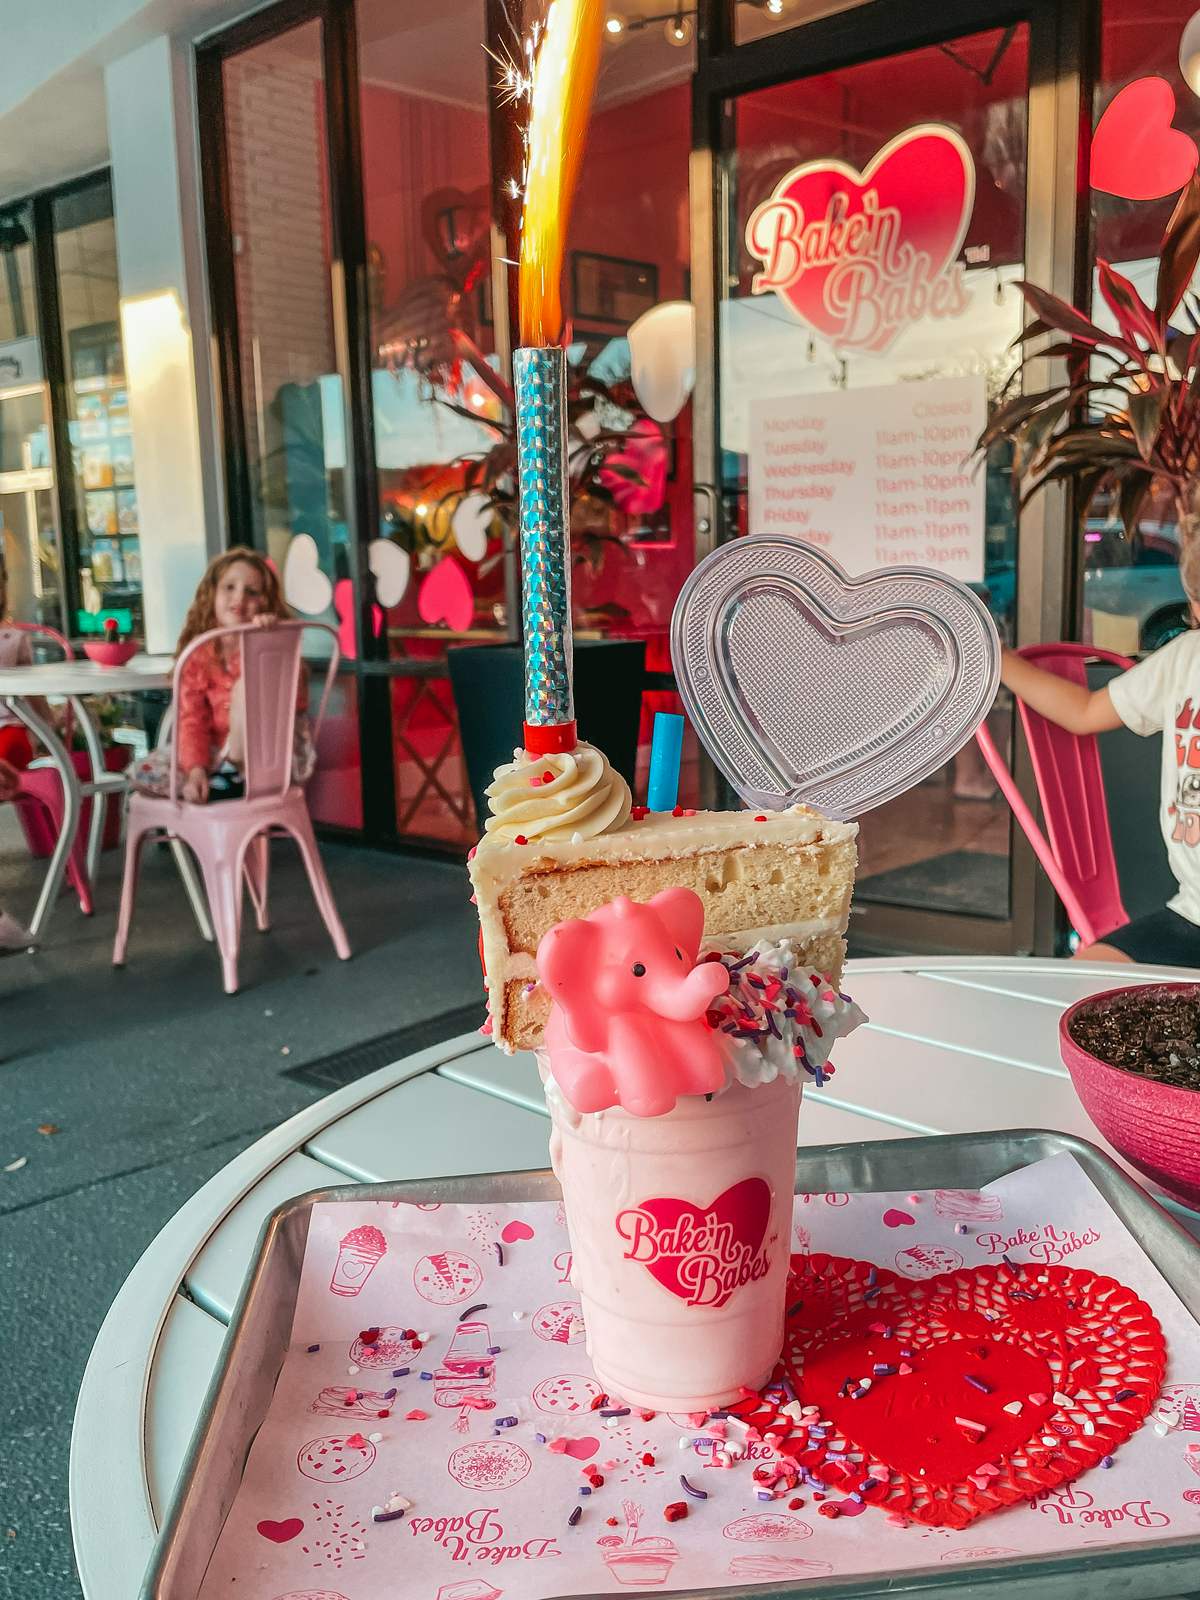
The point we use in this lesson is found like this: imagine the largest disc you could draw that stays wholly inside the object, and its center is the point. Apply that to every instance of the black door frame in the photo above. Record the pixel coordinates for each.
(1063, 61)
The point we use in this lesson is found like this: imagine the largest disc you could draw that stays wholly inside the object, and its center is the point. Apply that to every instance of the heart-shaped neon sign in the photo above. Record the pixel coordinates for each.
(860, 255)
(806, 685)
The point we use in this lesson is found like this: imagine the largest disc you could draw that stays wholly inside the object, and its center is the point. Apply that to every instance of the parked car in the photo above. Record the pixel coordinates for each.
(1144, 584)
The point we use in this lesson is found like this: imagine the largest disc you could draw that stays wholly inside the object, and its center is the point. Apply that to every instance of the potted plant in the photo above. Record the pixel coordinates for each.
(1125, 415)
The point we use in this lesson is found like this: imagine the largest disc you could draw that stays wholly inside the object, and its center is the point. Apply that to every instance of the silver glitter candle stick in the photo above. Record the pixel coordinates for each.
(541, 385)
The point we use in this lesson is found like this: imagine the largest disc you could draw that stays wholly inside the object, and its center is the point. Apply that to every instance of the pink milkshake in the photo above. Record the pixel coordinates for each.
(679, 1215)
(679, 1228)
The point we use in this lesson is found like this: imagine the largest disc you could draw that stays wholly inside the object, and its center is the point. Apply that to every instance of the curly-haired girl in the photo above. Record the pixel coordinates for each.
(239, 587)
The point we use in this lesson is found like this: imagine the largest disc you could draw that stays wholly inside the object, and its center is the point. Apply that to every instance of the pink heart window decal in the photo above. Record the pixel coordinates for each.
(809, 686)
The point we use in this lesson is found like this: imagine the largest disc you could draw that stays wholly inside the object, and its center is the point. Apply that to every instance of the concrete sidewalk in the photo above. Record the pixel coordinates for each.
(152, 1079)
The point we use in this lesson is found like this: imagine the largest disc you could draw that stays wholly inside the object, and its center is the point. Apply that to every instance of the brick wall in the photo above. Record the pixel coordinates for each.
(277, 165)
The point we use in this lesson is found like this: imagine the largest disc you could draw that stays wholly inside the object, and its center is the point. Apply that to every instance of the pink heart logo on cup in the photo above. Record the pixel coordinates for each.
(860, 255)
(281, 1532)
(516, 1230)
(701, 1254)
(806, 685)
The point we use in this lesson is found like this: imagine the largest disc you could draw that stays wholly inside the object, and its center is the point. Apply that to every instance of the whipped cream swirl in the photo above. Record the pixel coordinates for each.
(778, 1019)
(573, 794)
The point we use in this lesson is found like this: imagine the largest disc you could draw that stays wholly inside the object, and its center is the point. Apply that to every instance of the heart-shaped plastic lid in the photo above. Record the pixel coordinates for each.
(806, 685)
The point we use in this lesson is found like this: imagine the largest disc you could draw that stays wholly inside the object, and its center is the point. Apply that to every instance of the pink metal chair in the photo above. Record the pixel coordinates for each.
(231, 838)
(40, 787)
(1078, 856)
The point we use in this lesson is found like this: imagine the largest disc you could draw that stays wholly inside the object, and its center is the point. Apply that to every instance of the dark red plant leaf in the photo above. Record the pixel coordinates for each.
(1133, 315)
(1179, 253)
(1131, 499)
(1060, 314)
(1146, 410)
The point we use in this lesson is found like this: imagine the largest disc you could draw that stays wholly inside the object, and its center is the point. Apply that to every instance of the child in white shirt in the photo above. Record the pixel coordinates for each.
(1159, 695)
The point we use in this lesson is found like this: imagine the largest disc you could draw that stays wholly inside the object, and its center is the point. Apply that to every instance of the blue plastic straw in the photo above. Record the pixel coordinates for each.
(666, 752)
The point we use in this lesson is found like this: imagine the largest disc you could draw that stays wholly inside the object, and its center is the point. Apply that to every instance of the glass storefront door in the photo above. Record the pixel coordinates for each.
(875, 226)
(29, 546)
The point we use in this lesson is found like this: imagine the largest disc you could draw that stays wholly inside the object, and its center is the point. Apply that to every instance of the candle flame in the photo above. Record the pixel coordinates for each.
(564, 79)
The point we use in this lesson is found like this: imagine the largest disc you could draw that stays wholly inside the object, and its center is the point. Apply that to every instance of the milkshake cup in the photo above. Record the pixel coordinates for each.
(358, 1255)
(680, 1228)
(638, 1561)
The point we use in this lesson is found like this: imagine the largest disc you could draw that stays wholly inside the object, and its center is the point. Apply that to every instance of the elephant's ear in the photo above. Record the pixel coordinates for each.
(568, 961)
(681, 912)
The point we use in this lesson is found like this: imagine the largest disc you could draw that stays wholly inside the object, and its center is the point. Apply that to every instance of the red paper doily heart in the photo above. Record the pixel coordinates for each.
(911, 1382)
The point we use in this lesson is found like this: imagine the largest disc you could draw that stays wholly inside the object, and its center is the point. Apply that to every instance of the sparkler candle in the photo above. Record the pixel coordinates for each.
(564, 78)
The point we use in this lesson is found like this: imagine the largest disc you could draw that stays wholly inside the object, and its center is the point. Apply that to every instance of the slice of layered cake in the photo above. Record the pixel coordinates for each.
(563, 840)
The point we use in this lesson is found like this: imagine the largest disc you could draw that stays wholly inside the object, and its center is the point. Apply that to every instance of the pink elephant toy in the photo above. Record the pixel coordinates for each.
(628, 1024)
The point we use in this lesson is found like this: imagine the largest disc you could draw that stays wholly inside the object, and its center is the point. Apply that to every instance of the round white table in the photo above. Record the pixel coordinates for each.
(74, 681)
(954, 1044)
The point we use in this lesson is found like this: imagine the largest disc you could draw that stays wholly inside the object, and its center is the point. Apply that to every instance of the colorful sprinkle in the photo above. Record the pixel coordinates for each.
(575, 1516)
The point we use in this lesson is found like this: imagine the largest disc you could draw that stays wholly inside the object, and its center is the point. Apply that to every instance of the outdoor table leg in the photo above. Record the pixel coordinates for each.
(65, 768)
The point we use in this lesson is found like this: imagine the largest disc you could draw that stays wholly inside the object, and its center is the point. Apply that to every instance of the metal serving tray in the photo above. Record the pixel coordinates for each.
(253, 1354)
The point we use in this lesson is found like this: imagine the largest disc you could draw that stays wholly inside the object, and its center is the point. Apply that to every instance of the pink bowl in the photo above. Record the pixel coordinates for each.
(110, 655)
(1155, 1126)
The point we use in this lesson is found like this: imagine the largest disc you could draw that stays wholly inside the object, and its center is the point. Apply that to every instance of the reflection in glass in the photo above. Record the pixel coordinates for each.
(96, 403)
(1133, 600)
(291, 393)
(28, 530)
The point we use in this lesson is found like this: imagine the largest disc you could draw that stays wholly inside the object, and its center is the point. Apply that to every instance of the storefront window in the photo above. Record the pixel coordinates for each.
(28, 535)
(291, 391)
(876, 229)
(628, 259)
(437, 551)
(96, 409)
(1132, 597)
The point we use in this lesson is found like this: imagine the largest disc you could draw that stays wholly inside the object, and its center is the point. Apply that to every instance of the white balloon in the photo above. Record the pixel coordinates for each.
(390, 567)
(305, 586)
(1189, 53)
(662, 354)
(470, 523)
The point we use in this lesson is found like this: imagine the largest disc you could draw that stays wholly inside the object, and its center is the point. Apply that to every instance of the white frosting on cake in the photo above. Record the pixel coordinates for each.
(571, 795)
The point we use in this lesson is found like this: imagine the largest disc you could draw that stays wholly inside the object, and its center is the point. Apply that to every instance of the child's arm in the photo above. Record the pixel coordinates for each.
(1071, 705)
(194, 732)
